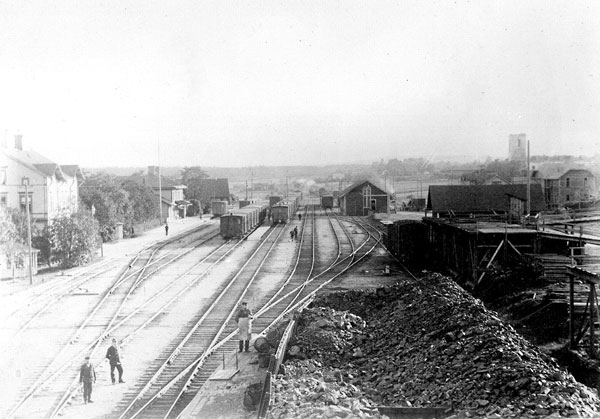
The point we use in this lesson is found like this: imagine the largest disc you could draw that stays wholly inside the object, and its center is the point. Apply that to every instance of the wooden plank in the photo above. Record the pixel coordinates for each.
(225, 374)
(491, 260)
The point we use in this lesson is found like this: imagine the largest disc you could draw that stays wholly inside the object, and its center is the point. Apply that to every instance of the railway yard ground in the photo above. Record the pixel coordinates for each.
(375, 336)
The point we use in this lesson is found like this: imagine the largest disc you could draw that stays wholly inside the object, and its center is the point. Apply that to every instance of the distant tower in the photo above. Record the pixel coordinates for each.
(517, 147)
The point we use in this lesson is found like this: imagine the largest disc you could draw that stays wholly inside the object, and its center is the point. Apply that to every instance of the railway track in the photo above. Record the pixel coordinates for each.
(55, 364)
(172, 377)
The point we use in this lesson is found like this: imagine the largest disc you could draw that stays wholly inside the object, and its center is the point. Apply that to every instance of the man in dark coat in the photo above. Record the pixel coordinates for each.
(244, 320)
(115, 361)
(87, 376)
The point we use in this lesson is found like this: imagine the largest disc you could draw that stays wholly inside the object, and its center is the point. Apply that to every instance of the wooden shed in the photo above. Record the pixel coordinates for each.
(362, 198)
(468, 200)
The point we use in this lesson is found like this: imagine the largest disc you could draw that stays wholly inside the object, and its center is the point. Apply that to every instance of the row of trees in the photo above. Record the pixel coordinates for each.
(71, 239)
(111, 201)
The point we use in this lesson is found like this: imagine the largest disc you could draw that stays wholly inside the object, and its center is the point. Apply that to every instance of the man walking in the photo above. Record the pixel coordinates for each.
(244, 320)
(166, 229)
(87, 376)
(115, 361)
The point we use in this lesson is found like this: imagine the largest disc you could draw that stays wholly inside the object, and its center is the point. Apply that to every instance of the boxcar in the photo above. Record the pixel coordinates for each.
(240, 222)
(233, 225)
(218, 208)
(284, 211)
(407, 240)
(327, 201)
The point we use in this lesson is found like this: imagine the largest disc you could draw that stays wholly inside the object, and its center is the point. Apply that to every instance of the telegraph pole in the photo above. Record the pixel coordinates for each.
(159, 187)
(528, 184)
(25, 182)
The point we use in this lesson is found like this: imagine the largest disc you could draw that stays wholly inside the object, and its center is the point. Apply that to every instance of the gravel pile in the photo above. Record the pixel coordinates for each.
(424, 343)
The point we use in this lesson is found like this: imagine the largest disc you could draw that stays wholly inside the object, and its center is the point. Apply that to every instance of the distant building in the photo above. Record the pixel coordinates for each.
(53, 189)
(171, 194)
(565, 186)
(214, 190)
(517, 147)
(483, 177)
(363, 198)
(472, 200)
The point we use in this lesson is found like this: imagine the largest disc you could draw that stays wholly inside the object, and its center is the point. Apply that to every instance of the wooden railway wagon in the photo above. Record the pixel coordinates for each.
(407, 240)
(327, 201)
(242, 221)
(284, 211)
(274, 200)
(218, 208)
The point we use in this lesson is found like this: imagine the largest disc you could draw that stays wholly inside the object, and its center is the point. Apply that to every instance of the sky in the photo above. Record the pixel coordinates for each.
(247, 83)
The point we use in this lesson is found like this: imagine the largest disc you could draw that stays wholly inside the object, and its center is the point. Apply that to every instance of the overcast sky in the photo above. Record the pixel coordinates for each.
(226, 83)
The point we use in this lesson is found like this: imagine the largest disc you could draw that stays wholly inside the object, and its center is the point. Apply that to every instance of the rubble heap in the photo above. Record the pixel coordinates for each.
(421, 343)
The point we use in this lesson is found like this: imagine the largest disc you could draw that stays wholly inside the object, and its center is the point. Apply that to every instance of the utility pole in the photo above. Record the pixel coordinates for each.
(528, 184)
(25, 182)
(159, 187)
(251, 184)
(246, 189)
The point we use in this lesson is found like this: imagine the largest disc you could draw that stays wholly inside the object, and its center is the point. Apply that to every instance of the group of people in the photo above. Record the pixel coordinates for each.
(294, 234)
(87, 373)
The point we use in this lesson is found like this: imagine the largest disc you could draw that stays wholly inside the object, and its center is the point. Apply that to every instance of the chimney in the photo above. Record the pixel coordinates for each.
(19, 142)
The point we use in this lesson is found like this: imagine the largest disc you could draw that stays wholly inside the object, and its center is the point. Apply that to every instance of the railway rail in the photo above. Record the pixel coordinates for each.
(62, 353)
(192, 352)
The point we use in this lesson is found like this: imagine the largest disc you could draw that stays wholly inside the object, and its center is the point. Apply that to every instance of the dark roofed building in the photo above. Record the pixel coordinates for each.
(363, 197)
(566, 186)
(214, 190)
(467, 200)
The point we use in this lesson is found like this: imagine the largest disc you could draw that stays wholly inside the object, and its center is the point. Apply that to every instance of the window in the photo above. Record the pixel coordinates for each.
(568, 198)
(584, 182)
(568, 183)
(22, 201)
(367, 196)
(3, 199)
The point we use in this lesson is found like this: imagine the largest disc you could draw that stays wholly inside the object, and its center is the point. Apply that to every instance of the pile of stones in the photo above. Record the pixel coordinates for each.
(420, 343)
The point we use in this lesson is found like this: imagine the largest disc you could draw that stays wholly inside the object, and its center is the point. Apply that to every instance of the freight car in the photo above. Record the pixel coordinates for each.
(407, 240)
(284, 211)
(218, 208)
(240, 222)
(327, 201)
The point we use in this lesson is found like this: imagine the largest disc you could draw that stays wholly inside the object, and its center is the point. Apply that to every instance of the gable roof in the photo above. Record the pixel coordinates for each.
(215, 187)
(359, 184)
(481, 198)
(556, 171)
(35, 162)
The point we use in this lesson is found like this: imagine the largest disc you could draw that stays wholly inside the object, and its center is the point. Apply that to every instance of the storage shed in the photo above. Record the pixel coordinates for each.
(362, 198)
(470, 200)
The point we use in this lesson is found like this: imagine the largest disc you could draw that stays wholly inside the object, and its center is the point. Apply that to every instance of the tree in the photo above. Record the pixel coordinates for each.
(191, 177)
(191, 173)
(142, 202)
(74, 238)
(109, 200)
(10, 240)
